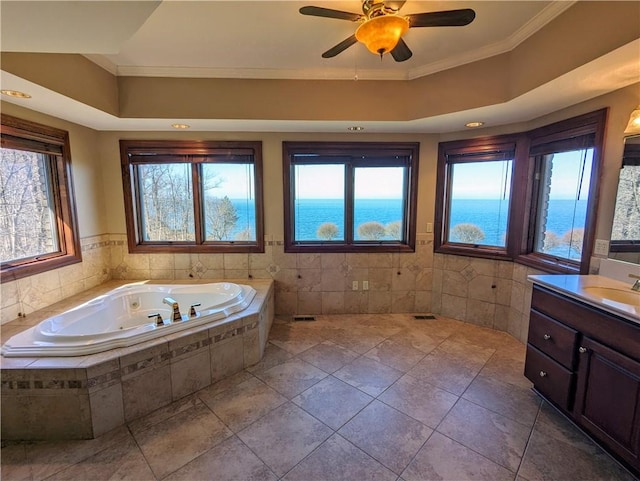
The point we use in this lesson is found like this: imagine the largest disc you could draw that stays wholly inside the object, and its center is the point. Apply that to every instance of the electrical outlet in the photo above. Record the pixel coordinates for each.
(354, 286)
(365, 285)
(429, 227)
(601, 247)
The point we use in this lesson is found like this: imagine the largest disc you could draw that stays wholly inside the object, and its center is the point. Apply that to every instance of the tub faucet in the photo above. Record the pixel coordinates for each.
(636, 284)
(176, 309)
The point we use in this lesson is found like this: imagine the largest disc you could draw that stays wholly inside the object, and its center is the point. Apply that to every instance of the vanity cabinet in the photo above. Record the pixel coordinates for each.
(586, 362)
(608, 398)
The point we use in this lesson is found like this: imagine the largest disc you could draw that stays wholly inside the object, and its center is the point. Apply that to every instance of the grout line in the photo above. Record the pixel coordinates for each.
(526, 446)
(142, 452)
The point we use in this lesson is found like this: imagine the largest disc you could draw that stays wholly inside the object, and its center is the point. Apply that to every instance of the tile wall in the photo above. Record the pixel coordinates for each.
(29, 294)
(480, 291)
(485, 292)
(305, 283)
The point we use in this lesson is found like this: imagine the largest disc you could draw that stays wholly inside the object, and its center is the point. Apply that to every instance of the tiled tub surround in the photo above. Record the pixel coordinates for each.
(129, 315)
(40, 291)
(456, 286)
(85, 396)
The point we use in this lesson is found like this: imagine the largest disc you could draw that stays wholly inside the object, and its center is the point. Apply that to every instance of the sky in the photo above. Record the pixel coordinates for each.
(327, 182)
(236, 180)
(472, 181)
(485, 180)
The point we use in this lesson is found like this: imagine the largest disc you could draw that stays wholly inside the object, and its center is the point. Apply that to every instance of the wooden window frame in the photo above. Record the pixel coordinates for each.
(529, 146)
(474, 150)
(31, 136)
(193, 153)
(353, 155)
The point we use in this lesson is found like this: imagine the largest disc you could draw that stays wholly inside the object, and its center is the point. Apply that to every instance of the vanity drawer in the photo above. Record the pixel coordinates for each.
(549, 377)
(553, 338)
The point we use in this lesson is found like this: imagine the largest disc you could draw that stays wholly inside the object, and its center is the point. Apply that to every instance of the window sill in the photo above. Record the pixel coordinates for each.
(11, 272)
(550, 265)
(178, 248)
(333, 248)
(542, 263)
(483, 252)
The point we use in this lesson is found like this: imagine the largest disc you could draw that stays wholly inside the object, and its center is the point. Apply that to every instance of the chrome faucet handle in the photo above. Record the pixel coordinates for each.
(192, 310)
(159, 321)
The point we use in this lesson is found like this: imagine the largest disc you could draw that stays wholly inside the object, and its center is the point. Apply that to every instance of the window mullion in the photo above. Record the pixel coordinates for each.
(198, 195)
(349, 203)
(54, 166)
(406, 205)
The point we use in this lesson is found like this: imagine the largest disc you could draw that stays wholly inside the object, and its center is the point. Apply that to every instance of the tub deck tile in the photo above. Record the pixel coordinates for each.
(100, 391)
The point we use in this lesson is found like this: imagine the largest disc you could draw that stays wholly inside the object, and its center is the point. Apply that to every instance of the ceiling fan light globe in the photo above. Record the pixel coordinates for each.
(381, 34)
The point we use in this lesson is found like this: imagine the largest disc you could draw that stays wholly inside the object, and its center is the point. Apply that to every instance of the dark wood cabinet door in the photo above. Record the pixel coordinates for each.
(608, 398)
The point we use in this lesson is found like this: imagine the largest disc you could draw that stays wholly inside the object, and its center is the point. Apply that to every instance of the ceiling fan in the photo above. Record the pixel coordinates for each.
(381, 27)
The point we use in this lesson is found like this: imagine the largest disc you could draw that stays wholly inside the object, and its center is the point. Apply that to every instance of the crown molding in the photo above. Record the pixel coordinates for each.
(248, 73)
(547, 14)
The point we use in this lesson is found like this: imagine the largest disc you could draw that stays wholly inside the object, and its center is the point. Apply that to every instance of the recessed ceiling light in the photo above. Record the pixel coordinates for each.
(473, 125)
(180, 126)
(355, 128)
(15, 93)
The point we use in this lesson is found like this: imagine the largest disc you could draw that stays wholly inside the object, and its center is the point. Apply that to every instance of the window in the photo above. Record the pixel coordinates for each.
(528, 197)
(478, 179)
(350, 197)
(193, 196)
(625, 234)
(561, 183)
(37, 213)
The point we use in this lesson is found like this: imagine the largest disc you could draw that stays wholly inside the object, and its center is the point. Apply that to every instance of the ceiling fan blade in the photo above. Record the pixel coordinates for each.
(342, 46)
(394, 4)
(401, 52)
(447, 18)
(330, 13)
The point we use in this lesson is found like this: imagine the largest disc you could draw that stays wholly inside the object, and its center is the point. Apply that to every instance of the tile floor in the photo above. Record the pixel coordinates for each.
(366, 397)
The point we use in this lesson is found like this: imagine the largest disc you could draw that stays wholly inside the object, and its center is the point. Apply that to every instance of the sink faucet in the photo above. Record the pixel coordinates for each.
(176, 309)
(636, 284)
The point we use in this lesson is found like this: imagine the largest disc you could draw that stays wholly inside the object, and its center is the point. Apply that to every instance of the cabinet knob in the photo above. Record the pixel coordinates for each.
(582, 350)
(546, 337)
(543, 374)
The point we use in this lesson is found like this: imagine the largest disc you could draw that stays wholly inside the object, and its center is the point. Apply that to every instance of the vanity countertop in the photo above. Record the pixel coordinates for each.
(577, 287)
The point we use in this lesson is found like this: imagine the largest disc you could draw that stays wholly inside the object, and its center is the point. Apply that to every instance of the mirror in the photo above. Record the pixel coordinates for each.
(625, 233)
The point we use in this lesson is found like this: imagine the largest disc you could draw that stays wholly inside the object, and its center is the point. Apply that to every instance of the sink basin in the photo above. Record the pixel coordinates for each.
(618, 295)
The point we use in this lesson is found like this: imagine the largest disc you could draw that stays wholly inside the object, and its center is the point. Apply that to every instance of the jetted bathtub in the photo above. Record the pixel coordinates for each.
(128, 315)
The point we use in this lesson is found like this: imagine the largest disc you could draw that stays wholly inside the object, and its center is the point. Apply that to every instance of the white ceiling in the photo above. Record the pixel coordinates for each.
(271, 39)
